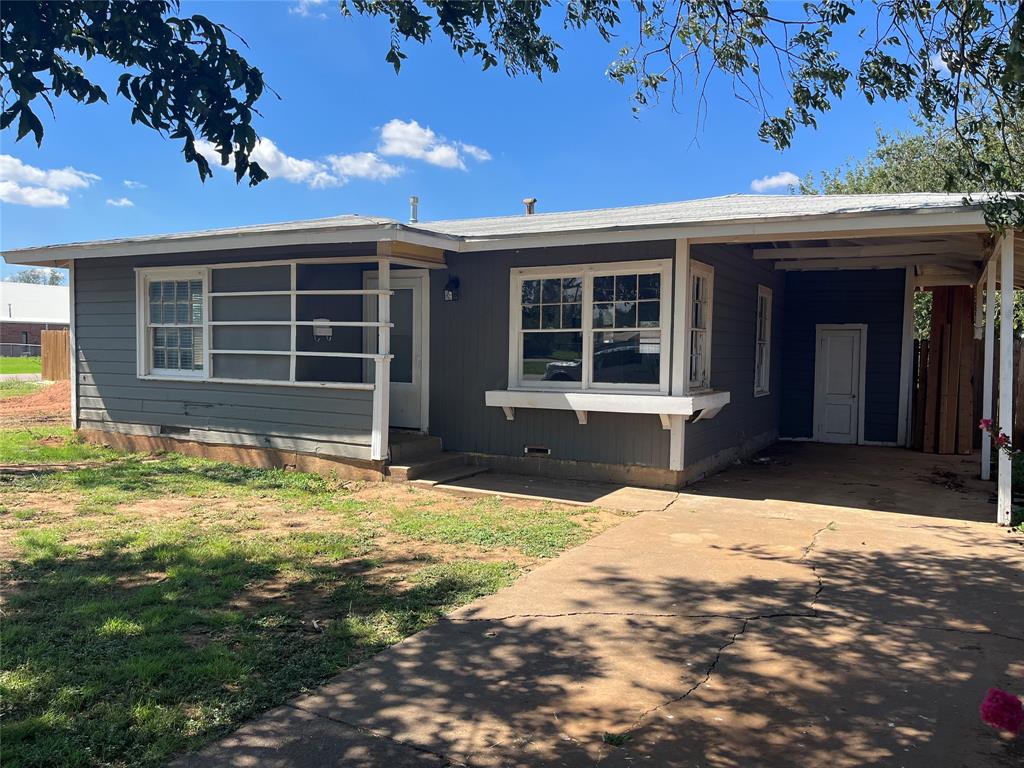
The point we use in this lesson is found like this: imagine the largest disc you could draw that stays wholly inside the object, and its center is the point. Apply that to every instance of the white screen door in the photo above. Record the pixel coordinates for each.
(838, 378)
(408, 340)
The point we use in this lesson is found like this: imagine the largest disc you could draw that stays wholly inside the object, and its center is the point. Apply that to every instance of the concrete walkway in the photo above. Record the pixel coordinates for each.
(738, 627)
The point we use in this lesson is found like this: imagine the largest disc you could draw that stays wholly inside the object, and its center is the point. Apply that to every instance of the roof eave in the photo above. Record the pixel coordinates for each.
(54, 255)
(808, 226)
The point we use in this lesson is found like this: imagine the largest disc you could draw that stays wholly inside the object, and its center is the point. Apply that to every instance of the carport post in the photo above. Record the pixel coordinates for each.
(1005, 372)
(990, 349)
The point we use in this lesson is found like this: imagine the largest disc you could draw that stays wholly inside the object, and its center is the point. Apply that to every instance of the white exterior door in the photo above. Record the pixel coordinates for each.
(408, 409)
(838, 378)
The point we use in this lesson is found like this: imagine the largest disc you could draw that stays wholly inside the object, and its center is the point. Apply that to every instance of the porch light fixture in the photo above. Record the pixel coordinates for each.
(451, 289)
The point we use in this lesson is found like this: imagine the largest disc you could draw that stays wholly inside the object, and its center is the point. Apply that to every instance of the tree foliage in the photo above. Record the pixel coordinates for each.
(38, 276)
(182, 77)
(922, 161)
(959, 63)
(956, 62)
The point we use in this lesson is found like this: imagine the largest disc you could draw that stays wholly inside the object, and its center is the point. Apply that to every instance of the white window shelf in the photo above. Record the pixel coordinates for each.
(704, 405)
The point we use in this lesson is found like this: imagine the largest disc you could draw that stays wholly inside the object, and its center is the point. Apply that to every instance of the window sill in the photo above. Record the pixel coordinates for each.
(761, 393)
(704, 405)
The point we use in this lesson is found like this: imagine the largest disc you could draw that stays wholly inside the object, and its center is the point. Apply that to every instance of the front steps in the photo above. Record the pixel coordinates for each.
(421, 459)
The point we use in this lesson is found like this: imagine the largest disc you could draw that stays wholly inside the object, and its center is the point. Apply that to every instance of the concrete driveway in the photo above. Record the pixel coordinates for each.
(787, 613)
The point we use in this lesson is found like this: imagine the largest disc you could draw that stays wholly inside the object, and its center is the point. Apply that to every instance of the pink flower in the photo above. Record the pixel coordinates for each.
(985, 424)
(1002, 710)
(1002, 440)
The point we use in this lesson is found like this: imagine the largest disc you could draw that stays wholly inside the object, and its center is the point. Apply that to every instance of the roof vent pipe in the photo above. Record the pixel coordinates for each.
(531, 205)
(414, 209)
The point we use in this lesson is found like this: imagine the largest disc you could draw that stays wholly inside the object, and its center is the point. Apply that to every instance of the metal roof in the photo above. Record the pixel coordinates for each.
(31, 303)
(716, 217)
(726, 208)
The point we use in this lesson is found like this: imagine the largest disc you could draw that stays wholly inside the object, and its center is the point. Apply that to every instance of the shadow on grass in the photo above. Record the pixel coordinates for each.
(885, 665)
(153, 646)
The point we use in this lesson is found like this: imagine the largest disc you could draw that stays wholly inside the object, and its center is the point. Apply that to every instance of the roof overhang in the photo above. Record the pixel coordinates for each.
(229, 240)
(919, 221)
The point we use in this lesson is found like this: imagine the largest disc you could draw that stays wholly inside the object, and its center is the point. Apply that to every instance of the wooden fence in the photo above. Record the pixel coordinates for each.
(944, 376)
(56, 354)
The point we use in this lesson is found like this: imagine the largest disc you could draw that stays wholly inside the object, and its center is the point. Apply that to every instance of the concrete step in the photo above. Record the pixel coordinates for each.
(450, 476)
(408, 447)
(427, 465)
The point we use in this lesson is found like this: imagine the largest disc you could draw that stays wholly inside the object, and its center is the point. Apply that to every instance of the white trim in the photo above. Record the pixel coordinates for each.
(862, 382)
(266, 382)
(989, 364)
(604, 402)
(1004, 503)
(423, 275)
(919, 221)
(379, 443)
(143, 338)
(906, 360)
(73, 343)
(763, 382)
(680, 352)
(707, 273)
(587, 273)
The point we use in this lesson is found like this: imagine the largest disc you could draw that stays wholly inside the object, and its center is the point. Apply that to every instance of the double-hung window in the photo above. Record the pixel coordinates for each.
(702, 281)
(591, 326)
(763, 342)
(173, 323)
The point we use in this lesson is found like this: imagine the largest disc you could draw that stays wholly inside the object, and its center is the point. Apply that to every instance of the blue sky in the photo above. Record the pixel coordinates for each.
(351, 136)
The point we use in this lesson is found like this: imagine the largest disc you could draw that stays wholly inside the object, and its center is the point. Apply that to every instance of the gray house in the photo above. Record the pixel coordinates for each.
(651, 344)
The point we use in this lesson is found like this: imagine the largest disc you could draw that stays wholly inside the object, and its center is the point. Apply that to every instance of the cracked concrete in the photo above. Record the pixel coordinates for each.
(739, 626)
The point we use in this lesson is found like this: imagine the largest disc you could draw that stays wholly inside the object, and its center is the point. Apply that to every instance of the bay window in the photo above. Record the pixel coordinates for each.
(591, 326)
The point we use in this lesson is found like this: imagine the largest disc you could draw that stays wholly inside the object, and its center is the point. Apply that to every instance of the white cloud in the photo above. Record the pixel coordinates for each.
(938, 63)
(400, 138)
(477, 153)
(23, 184)
(333, 171)
(280, 165)
(363, 165)
(309, 8)
(37, 197)
(133, 184)
(778, 181)
(120, 202)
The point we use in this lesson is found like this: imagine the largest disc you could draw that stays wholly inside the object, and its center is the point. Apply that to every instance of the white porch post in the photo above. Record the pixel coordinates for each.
(73, 344)
(1005, 372)
(680, 350)
(990, 348)
(382, 365)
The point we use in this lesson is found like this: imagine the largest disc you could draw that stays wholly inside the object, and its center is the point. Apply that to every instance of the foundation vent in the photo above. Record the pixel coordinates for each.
(175, 431)
(536, 450)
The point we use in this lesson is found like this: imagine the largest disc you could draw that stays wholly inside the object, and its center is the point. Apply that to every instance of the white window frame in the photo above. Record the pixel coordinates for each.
(144, 338)
(699, 269)
(144, 370)
(763, 377)
(588, 272)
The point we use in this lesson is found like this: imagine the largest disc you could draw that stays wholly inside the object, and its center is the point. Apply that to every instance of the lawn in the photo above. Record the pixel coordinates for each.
(18, 388)
(21, 365)
(153, 603)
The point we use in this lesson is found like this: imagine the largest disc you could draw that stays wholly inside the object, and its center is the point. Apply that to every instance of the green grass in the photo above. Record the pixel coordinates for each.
(48, 445)
(538, 532)
(155, 603)
(18, 388)
(21, 364)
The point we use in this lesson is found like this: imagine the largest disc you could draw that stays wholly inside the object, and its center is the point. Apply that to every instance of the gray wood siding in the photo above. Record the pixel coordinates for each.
(733, 341)
(330, 422)
(874, 297)
(469, 355)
